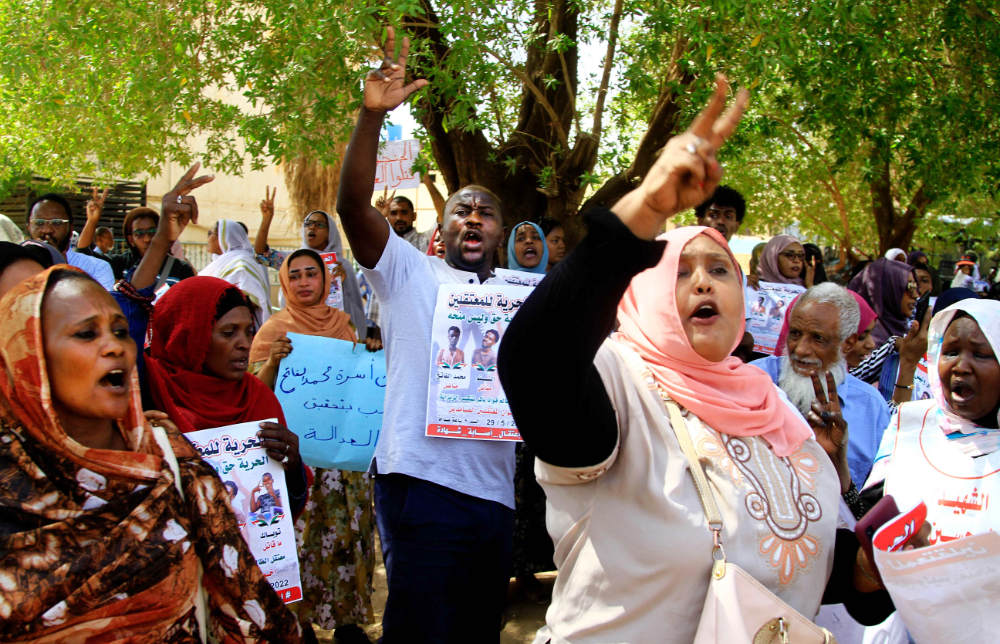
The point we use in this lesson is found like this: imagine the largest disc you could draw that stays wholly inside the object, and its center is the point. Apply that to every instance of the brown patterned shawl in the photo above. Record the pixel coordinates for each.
(98, 545)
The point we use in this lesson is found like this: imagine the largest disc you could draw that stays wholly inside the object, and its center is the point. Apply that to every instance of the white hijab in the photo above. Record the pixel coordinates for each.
(986, 313)
(238, 266)
(9, 231)
(353, 305)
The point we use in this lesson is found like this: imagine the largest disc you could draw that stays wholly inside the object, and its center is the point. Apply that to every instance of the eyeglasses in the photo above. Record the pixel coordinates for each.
(55, 223)
(729, 214)
(912, 287)
(313, 223)
(791, 255)
(145, 232)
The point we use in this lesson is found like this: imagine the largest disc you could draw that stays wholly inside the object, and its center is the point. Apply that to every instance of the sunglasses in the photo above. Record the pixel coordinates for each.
(792, 255)
(145, 232)
(40, 223)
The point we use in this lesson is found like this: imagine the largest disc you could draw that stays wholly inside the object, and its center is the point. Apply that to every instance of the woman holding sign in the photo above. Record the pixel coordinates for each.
(197, 370)
(336, 534)
(617, 457)
(112, 528)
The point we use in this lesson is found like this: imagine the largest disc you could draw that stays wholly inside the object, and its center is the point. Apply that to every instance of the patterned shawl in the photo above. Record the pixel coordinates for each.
(97, 544)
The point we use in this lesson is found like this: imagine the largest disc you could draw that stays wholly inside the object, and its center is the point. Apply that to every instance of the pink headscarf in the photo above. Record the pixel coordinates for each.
(868, 315)
(730, 396)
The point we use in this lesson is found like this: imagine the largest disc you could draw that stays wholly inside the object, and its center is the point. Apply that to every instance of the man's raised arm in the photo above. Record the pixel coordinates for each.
(366, 228)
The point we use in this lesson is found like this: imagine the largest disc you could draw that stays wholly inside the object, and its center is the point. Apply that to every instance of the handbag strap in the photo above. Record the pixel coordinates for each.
(708, 504)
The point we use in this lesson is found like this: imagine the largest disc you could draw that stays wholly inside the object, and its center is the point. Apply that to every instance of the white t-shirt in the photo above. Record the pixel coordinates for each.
(406, 282)
(631, 540)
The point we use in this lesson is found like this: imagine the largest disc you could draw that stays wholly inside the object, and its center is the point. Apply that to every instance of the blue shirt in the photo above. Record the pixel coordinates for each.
(866, 413)
(99, 269)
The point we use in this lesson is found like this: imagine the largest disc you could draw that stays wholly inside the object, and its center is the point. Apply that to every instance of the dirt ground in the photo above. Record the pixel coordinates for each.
(524, 616)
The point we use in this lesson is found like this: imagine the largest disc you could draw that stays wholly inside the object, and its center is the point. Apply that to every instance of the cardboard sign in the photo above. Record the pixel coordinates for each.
(333, 395)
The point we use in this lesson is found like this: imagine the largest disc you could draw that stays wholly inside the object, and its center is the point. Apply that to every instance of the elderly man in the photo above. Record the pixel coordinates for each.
(445, 508)
(823, 324)
(51, 221)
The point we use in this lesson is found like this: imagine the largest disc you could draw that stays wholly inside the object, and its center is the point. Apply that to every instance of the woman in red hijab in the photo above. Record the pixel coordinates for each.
(197, 370)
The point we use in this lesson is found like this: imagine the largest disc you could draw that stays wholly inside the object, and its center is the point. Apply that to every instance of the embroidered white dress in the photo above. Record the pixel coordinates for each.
(631, 541)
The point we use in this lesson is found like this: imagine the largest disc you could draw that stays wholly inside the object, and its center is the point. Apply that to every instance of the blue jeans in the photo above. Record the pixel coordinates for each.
(447, 559)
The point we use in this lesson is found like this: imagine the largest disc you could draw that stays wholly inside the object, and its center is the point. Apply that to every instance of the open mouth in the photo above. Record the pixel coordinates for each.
(705, 312)
(530, 252)
(962, 392)
(114, 379)
(472, 240)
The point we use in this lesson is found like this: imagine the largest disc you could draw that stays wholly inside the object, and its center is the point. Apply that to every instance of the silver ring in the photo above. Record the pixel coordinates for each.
(284, 459)
(691, 148)
(180, 199)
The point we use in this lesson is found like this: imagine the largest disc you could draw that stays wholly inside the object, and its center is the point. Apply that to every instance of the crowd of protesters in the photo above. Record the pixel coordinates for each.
(112, 527)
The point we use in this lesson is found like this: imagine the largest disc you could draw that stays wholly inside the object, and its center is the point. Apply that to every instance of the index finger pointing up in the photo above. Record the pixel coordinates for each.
(389, 50)
(704, 122)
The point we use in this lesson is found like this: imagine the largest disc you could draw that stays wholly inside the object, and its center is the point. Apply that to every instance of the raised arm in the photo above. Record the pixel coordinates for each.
(177, 208)
(95, 206)
(266, 215)
(366, 228)
(568, 419)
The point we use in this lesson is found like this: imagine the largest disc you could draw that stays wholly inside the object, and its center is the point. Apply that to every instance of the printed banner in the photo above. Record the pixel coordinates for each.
(394, 168)
(518, 278)
(767, 313)
(465, 399)
(257, 494)
(948, 592)
(336, 297)
(333, 395)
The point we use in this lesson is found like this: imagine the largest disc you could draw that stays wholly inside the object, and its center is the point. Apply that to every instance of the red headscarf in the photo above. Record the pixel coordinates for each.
(730, 396)
(182, 335)
(868, 316)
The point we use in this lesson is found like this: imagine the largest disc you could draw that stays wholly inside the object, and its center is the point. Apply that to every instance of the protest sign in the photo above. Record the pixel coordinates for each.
(257, 494)
(394, 167)
(518, 278)
(947, 592)
(336, 297)
(333, 395)
(767, 313)
(465, 398)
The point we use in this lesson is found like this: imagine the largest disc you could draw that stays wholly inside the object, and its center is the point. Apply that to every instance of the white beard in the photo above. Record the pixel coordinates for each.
(799, 389)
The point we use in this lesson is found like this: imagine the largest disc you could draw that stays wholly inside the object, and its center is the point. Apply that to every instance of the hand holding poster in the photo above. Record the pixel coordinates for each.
(258, 495)
(947, 592)
(465, 398)
(767, 313)
(333, 395)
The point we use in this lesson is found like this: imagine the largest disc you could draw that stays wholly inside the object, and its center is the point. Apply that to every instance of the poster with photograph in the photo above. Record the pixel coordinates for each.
(333, 395)
(465, 398)
(767, 313)
(258, 495)
(336, 297)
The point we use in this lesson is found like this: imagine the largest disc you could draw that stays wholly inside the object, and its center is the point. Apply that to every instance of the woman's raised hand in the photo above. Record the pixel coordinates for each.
(267, 203)
(281, 348)
(178, 207)
(686, 172)
(384, 87)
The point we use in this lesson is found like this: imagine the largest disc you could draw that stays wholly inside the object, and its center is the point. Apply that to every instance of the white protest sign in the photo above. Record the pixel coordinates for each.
(333, 395)
(394, 167)
(767, 313)
(948, 592)
(259, 497)
(465, 398)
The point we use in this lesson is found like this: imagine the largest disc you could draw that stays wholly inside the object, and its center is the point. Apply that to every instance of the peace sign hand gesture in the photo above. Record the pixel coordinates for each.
(267, 203)
(384, 87)
(828, 423)
(95, 205)
(686, 172)
(178, 208)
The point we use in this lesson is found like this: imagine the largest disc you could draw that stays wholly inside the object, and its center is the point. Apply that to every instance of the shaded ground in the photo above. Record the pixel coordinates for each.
(524, 616)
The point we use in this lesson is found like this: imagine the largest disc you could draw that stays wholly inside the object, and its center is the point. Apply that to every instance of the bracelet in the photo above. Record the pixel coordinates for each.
(854, 502)
(907, 387)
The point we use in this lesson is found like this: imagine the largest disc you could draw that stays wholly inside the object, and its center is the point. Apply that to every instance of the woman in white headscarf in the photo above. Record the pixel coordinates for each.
(234, 262)
(9, 231)
(319, 233)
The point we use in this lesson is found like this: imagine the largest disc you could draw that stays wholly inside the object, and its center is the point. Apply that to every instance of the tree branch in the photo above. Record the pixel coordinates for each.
(609, 59)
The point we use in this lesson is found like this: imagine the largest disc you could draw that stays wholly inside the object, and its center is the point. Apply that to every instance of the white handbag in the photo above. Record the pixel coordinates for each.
(738, 608)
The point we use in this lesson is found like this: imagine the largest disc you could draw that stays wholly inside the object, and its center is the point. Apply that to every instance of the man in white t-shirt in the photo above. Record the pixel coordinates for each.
(444, 506)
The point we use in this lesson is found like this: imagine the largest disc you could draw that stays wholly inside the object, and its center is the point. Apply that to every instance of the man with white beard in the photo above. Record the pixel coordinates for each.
(822, 325)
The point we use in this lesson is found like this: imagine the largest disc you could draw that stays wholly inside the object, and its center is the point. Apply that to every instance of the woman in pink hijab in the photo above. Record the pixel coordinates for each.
(632, 544)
